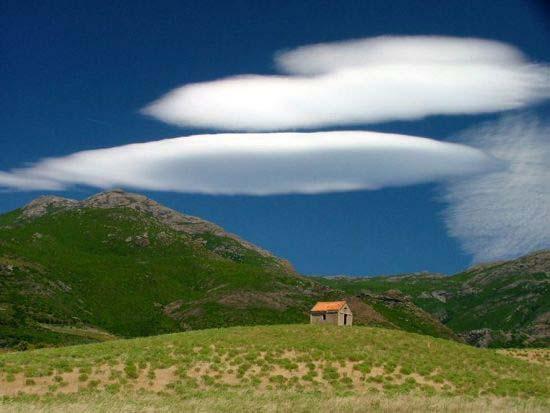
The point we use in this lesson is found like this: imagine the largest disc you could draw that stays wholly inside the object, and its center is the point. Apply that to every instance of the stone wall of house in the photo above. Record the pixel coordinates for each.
(331, 318)
(342, 318)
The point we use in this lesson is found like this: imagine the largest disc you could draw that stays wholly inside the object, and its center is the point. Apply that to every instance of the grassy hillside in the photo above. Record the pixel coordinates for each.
(500, 304)
(395, 310)
(122, 270)
(121, 265)
(297, 361)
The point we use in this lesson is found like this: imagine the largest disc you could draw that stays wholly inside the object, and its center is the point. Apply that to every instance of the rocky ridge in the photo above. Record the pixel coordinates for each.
(118, 198)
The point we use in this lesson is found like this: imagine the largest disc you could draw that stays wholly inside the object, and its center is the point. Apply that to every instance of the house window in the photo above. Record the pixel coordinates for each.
(324, 316)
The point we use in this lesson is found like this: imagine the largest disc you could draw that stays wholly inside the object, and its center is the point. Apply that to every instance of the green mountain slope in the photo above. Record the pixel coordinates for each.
(403, 314)
(127, 265)
(499, 304)
(121, 265)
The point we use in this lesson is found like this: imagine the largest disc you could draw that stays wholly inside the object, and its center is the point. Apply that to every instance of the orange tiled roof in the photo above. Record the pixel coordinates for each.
(328, 306)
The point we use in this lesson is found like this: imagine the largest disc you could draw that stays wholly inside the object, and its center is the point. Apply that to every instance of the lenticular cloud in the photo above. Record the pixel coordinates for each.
(363, 81)
(329, 57)
(259, 164)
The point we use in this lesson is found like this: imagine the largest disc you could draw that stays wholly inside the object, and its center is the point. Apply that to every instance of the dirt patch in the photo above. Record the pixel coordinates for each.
(364, 313)
(85, 331)
(155, 380)
(60, 383)
(247, 299)
(281, 370)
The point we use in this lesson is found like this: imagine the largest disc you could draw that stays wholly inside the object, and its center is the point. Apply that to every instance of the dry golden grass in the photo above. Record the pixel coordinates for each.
(271, 402)
(532, 355)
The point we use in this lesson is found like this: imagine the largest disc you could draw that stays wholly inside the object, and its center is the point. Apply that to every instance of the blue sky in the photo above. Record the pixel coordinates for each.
(74, 77)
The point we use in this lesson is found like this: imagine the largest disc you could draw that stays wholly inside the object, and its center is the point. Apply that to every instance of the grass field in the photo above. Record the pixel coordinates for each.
(298, 367)
(275, 401)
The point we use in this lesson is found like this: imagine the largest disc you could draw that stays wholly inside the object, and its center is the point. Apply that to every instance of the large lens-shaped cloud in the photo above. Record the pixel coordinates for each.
(259, 164)
(363, 81)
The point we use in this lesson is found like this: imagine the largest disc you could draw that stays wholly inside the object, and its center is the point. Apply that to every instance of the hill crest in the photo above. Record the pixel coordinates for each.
(118, 198)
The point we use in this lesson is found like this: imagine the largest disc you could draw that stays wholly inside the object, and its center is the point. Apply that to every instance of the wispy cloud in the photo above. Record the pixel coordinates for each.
(259, 164)
(24, 181)
(504, 213)
(363, 81)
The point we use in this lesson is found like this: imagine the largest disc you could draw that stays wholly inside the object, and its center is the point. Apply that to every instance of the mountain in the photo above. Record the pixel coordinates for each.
(504, 303)
(121, 265)
(124, 265)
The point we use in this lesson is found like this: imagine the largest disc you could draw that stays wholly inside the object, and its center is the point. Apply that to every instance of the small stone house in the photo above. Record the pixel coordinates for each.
(331, 312)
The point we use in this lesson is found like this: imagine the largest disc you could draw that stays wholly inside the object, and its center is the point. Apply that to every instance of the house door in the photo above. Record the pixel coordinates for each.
(345, 319)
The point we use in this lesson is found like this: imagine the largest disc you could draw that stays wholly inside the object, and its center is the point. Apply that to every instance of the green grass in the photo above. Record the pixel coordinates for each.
(82, 268)
(408, 317)
(284, 358)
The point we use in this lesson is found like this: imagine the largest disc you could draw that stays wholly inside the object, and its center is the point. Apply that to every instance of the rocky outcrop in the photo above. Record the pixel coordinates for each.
(44, 204)
(390, 297)
(534, 263)
(442, 295)
(537, 336)
(539, 331)
(400, 311)
(482, 337)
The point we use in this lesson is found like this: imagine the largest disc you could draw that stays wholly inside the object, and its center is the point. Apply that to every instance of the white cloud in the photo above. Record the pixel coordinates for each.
(330, 57)
(259, 164)
(24, 182)
(506, 213)
(363, 81)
